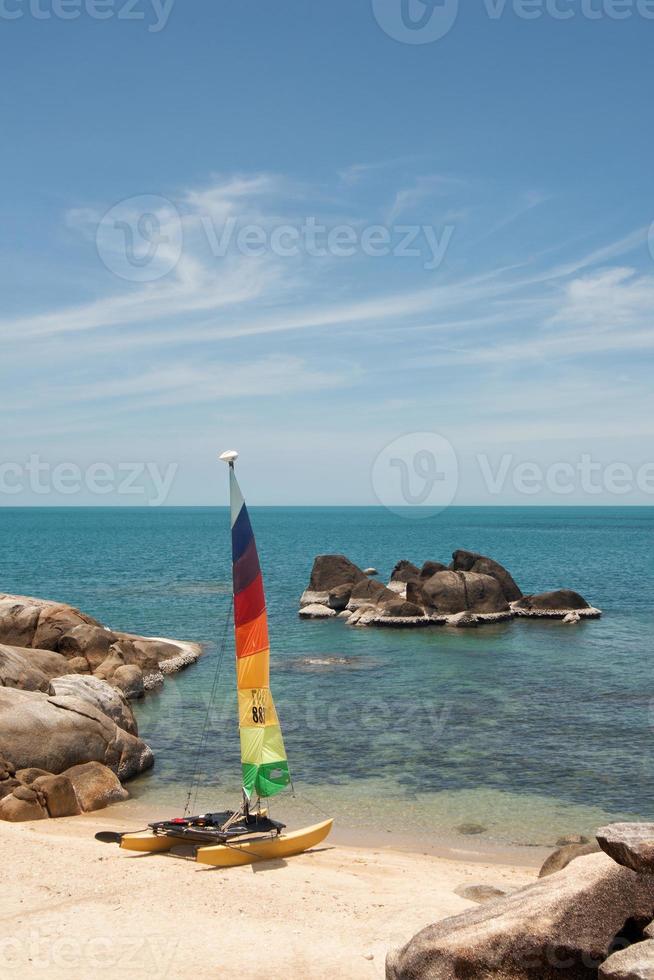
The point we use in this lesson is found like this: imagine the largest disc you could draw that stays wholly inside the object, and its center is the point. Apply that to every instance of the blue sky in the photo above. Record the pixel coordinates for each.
(163, 298)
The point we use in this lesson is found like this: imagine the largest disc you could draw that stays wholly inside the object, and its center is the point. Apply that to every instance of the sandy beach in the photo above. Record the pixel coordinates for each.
(75, 908)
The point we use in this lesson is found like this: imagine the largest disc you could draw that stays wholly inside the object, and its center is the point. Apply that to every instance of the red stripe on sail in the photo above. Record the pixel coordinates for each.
(253, 637)
(249, 603)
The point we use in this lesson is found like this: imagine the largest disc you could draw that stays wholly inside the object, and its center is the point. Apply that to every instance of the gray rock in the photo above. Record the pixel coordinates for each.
(563, 925)
(431, 567)
(630, 844)
(636, 962)
(562, 857)
(101, 695)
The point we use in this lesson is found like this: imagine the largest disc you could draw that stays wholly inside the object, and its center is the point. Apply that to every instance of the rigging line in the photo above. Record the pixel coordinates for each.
(195, 782)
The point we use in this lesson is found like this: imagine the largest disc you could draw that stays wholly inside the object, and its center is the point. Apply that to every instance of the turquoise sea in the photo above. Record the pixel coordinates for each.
(529, 729)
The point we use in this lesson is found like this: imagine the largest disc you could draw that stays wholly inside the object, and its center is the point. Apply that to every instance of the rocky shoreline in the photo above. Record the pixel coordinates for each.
(68, 736)
(472, 590)
(589, 915)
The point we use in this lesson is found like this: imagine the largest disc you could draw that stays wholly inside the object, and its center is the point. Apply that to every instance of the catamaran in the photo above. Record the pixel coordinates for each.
(246, 834)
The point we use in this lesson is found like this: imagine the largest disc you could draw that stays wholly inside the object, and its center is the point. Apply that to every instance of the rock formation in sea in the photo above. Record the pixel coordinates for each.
(591, 918)
(473, 589)
(68, 735)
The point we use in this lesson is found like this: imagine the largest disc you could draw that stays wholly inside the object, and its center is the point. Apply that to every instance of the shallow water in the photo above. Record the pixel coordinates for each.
(530, 729)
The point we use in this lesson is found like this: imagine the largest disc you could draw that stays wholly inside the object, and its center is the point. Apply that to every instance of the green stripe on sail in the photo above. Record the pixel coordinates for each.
(267, 779)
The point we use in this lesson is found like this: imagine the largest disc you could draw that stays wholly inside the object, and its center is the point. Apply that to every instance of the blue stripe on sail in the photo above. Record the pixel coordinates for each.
(246, 568)
(241, 534)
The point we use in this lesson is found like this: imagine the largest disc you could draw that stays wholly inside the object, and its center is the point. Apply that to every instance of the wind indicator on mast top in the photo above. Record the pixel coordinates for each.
(229, 457)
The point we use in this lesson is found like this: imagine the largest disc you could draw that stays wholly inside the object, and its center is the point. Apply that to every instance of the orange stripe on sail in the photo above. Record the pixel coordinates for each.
(252, 672)
(252, 637)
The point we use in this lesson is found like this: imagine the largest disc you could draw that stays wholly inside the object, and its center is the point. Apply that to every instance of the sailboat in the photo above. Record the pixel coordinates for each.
(246, 834)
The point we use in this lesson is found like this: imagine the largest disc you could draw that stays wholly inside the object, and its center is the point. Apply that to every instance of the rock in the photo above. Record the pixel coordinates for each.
(316, 611)
(30, 670)
(101, 695)
(339, 597)
(413, 593)
(27, 776)
(455, 592)
(7, 787)
(563, 925)
(431, 567)
(479, 893)
(463, 620)
(399, 588)
(59, 794)
(18, 619)
(14, 809)
(562, 857)
(79, 665)
(400, 608)
(368, 592)
(25, 793)
(331, 570)
(95, 786)
(370, 571)
(470, 829)
(563, 600)
(572, 839)
(636, 962)
(90, 642)
(54, 732)
(470, 561)
(109, 665)
(404, 571)
(630, 844)
(129, 680)
(572, 618)
(6, 768)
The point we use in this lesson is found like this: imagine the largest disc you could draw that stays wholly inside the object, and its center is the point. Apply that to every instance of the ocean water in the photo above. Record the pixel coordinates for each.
(529, 729)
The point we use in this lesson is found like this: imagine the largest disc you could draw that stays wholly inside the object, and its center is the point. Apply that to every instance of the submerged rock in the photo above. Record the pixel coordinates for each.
(554, 604)
(563, 925)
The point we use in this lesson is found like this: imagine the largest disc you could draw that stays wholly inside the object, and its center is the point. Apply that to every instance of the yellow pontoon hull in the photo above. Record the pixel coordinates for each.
(266, 849)
(146, 841)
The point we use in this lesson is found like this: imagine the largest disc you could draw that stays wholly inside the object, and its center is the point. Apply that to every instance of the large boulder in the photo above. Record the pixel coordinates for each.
(29, 670)
(563, 925)
(454, 592)
(562, 600)
(59, 795)
(400, 609)
(630, 844)
(129, 680)
(107, 699)
(470, 561)
(405, 571)
(331, 570)
(431, 567)
(54, 732)
(636, 962)
(16, 809)
(95, 786)
(91, 642)
(369, 592)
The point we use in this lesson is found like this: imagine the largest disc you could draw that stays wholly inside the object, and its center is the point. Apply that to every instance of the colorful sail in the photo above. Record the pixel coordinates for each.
(263, 757)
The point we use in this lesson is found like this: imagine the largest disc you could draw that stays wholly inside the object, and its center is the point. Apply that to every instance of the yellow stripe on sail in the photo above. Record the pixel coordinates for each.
(256, 708)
